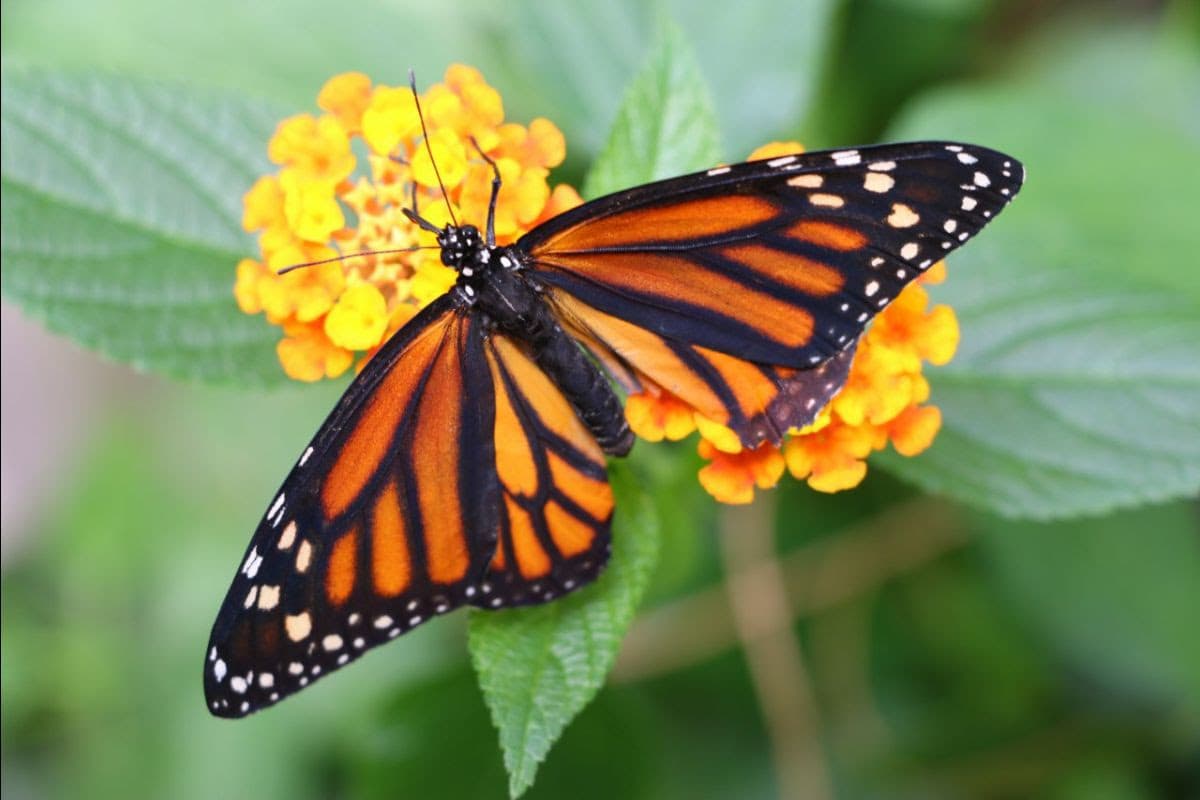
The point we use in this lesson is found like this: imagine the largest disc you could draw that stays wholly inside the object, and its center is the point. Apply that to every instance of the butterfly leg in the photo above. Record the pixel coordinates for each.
(491, 217)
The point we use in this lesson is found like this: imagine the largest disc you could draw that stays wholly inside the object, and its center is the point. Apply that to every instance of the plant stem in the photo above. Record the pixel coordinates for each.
(763, 622)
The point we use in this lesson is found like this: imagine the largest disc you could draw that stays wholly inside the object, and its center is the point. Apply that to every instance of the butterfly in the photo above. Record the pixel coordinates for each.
(465, 466)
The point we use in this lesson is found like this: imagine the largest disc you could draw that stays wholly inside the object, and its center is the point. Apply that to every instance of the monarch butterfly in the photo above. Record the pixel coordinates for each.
(466, 464)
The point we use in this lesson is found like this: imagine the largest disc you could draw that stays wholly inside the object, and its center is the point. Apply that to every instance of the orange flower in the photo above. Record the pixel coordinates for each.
(655, 416)
(832, 458)
(324, 201)
(307, 354)
(731, 477)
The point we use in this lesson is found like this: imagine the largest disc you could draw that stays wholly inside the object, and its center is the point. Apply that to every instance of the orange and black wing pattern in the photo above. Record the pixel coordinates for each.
(556, 503)
(733, 288)
(388, 519)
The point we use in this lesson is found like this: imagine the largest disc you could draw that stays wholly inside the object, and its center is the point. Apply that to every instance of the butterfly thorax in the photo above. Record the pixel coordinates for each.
(492, 282)
(484, 275)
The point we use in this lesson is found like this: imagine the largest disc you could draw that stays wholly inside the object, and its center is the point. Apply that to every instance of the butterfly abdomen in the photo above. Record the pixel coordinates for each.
(583, 384)
(516, 308)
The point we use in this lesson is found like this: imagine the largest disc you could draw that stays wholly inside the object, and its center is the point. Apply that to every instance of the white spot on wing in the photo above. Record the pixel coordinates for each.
(717, 171)
(871, 288)
(902, 216)
(307, 455)
(288, 537)
(807, 181)
(967, 158)
(303, 556)
(878, 182)
(219, 670)
(276, 506)
(827, 200)
(268, 598)
(909, 251)
(253, 554)
(298, 627)
(782, 161)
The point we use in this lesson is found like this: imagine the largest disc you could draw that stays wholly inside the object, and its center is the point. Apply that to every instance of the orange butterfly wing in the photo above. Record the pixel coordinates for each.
(453, 472)
(388, 519)
(557, 504)
(735, 287)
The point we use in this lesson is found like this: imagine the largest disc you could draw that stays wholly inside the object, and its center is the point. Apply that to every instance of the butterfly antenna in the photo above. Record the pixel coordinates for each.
(491, 217)
(344, 256)
(412, 83)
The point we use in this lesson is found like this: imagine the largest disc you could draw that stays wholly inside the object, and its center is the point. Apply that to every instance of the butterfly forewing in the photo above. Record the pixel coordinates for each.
(779, 263)
(389, 518)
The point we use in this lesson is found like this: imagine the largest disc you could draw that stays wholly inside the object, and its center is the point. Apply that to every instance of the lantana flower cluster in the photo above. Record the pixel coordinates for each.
(325, 201)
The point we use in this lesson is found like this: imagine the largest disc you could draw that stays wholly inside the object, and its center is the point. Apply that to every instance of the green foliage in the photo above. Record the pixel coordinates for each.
(1077, 388)
(665, 126)
(122, 218)
(1134, 571)
(1047, 659)
(539, 667)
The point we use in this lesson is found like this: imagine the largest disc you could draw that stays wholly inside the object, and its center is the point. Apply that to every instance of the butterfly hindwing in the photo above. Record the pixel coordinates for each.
(389, 518)
(556, 503)
(731, 280)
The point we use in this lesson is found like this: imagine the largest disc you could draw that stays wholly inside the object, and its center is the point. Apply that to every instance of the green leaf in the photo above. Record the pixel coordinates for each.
(539, 667)
(1115, 596)
(665, 126)
(762, 61)
(1077, 386)
(121, 219)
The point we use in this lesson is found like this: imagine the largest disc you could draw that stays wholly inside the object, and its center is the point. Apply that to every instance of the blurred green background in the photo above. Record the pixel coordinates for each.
(950, 648)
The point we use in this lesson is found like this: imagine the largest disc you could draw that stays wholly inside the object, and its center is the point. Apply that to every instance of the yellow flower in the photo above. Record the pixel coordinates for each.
(346, 96)
(773, 149)
(358, 318)
(390, 118)
(316, 147)
(310, 207)
(263, 205)
(324, 201)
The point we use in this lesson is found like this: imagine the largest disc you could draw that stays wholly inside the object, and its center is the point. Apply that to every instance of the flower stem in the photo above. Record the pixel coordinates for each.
(763, 621)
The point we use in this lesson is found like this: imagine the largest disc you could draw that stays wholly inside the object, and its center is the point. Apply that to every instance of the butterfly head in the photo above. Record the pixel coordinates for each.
(462, 246)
